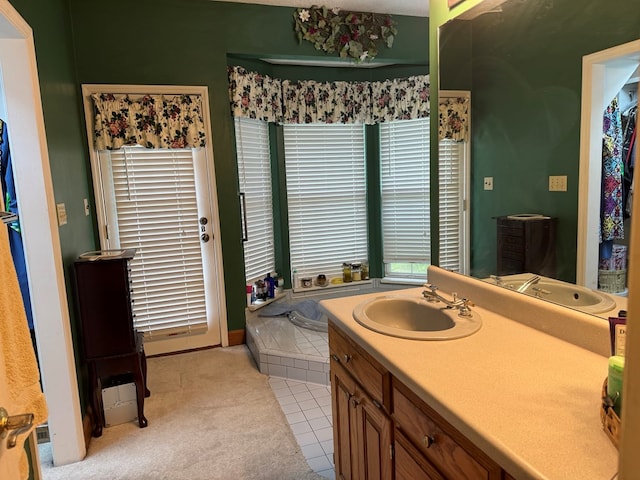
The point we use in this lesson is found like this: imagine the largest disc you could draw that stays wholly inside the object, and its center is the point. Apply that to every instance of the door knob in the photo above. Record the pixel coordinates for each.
(205, 237)
(14, 425)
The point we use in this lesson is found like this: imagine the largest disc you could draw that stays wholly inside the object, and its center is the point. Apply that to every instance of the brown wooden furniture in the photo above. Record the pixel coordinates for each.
(111, 346)
(527, 246)
(382, 430)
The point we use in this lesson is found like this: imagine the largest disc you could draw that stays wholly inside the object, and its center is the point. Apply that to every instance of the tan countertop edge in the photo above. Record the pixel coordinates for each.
(529, 400)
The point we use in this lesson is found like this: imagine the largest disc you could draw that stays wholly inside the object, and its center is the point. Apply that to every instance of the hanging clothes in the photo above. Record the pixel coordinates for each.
(11, 205)
(611, 207)
(629, 140)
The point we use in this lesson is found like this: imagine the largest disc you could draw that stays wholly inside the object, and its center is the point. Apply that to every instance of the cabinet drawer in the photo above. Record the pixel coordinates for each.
(410, 464)
(438, 441)
(373, 378)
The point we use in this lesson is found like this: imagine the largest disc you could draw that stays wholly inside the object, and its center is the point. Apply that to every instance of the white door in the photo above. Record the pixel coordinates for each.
(158, 201)
(162, 202)
(19, 386)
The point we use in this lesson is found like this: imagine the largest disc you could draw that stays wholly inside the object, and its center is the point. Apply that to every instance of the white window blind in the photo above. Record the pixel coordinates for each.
(452, 213)
(254, 171)
(404, 181)
(151, 206)
(326, 195)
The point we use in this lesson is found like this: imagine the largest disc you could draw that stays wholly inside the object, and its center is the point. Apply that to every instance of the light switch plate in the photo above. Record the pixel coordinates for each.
(86, 207)
(488, 183)
(557, 183)
(62, 214)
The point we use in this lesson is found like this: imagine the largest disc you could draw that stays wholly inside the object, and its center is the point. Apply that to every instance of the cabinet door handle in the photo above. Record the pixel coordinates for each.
(428, 440)
(347, 358)
(376, 403)
(355, 402)
(335, 357)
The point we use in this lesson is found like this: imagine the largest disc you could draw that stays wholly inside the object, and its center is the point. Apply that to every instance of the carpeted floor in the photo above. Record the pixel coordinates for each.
(211, 415)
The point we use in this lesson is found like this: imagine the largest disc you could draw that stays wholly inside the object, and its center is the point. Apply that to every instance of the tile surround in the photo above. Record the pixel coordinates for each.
(282, 349)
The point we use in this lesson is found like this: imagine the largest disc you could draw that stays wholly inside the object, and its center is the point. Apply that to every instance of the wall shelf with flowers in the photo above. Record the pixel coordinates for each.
(357, 35)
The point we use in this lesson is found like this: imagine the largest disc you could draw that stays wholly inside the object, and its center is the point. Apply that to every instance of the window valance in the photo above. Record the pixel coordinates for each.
(284, 101)
(453, 119)
(153, 121)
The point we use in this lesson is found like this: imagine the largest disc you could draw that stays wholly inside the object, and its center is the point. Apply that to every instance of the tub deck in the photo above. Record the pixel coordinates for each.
(282, 349)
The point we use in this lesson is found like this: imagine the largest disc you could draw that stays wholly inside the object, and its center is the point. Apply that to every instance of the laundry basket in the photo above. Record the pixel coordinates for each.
(612, 281)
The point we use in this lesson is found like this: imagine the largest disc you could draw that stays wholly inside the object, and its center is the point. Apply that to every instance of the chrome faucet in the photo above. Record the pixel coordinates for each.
(531, 281)
(462, 304)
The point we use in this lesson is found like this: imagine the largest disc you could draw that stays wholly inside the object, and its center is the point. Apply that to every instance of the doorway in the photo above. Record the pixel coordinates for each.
(604, 75)
(23, 109)
(163, 203)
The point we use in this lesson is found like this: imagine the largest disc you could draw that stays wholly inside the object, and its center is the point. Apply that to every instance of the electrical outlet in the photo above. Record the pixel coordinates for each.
(558, 183)
(488, 183)
(86, 207)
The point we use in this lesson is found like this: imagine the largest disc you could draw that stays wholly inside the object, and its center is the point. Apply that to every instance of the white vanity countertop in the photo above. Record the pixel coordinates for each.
(527, 399)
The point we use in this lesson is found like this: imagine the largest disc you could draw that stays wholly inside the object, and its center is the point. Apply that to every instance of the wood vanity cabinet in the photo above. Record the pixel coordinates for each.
(362, 428)
(382, 430)
(438, 443)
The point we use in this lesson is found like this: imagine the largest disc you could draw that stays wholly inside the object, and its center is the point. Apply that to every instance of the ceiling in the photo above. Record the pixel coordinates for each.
(416, 8)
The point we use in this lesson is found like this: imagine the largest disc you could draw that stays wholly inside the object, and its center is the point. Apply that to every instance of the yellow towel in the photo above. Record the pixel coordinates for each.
(20, 392)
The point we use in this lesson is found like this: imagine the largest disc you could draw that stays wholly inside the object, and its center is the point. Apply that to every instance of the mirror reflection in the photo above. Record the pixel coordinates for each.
(522, 61)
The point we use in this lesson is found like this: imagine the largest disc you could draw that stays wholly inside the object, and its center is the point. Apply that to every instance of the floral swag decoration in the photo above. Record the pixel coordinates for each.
(351, 34)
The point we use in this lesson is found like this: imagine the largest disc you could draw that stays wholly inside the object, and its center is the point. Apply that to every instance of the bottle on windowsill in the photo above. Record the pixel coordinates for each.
(269, 284)
(346, 272)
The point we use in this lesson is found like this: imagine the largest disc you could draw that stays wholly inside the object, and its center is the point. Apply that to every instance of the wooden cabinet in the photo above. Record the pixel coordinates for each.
(382, 430)
(526, 246)
(110, 344)
(441, 445)
(362, 427)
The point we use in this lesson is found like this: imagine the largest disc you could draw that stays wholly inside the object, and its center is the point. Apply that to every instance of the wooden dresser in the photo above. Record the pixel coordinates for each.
(111, 346)
(527, 246)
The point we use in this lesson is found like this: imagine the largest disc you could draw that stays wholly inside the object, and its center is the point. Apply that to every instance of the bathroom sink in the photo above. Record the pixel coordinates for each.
(568, 295)
(413, 317)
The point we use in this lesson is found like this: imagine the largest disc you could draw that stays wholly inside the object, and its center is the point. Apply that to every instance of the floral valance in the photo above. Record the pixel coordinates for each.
(153, 121)
(285, 101)
(453, 118)
(255, 96)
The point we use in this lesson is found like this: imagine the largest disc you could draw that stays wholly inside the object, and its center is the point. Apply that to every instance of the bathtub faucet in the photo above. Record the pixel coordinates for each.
(462, 304)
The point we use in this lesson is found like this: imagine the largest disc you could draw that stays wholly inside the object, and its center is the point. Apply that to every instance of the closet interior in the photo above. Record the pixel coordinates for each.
(618, 165)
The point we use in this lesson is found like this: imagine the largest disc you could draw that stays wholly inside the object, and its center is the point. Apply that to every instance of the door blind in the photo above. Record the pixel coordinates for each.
(452, 184)
(404, 180)
(254, 172)
(326, 195)
(151, 206)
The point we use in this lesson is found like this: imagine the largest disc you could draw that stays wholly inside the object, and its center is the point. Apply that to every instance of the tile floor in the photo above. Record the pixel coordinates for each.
(307, 407)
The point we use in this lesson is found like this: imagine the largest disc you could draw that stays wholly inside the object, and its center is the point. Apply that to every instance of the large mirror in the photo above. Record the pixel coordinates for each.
(522, 60)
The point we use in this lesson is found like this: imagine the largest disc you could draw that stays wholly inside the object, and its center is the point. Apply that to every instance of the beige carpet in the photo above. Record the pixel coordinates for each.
(211, 415)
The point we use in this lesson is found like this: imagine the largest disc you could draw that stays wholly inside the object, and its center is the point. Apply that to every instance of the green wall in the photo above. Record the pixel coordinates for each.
(524, 67)
(188, 42)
